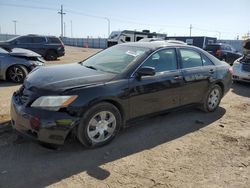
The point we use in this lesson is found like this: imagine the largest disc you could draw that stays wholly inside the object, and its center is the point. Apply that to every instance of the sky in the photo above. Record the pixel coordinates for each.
(224, 19)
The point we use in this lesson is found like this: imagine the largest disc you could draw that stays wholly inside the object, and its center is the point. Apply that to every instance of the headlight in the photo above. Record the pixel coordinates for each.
(53, 103)
(236, 65)
(38, 63)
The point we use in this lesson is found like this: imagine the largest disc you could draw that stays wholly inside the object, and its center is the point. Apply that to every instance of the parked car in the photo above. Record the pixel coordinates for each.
(241, 67)
(95, 98)
(223, 52)
(49, 47)
(15, 65)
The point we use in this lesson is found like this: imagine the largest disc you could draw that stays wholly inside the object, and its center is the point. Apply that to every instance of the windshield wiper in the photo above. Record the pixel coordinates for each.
(90, 67)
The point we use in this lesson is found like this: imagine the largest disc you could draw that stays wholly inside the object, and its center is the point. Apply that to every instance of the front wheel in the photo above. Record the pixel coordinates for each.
(212, 99)
(17, 73)
(99, 125)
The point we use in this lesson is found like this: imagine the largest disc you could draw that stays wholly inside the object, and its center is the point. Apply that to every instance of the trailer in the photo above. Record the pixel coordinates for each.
(118, 37)
(199, 41)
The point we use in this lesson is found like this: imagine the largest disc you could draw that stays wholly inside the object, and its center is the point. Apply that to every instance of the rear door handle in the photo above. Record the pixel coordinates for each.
(211, 71)
(178, 77)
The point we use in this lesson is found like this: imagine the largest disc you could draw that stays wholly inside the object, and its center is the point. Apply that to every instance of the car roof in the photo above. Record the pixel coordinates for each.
(154, 44)
(35, 35)
(219, 44)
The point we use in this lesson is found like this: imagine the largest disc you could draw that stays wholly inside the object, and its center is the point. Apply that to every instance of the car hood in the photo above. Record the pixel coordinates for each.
(20, 52)
(63, 77)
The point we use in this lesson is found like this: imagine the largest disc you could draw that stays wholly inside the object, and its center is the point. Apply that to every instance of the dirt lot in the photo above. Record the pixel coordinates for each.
(187, 148)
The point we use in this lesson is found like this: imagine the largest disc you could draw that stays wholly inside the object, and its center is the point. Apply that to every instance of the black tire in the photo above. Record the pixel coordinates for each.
(17, 73)
(51, 55)
(84, 126)
(50, 146)
(207, 104)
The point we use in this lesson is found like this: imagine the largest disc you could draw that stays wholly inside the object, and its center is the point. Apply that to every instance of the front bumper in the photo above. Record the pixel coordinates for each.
(53, 126)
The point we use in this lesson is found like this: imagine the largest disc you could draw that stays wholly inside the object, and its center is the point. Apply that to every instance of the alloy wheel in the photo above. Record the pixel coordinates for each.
(16, 74)
(214, 99)
(101, 126)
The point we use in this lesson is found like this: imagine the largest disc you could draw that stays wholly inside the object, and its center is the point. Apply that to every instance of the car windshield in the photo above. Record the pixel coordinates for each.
(115, 59)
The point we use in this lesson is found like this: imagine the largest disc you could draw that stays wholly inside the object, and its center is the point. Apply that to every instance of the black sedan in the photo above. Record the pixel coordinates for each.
(95, 98)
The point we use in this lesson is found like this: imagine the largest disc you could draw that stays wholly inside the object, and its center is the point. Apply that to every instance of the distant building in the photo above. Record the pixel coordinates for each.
(200, 41)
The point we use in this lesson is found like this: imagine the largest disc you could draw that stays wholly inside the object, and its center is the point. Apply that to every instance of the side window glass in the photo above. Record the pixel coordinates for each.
(24, 40)
(228, 48)
(127, 39)
(190, 58)
(206, 61)
(38, 40)
(164, 60)
(139, 38)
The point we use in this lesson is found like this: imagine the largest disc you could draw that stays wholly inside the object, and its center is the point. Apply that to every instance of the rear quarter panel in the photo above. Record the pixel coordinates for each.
(224, 76)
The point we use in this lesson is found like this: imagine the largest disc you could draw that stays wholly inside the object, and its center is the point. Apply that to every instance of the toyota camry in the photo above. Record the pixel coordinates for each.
(95, 98)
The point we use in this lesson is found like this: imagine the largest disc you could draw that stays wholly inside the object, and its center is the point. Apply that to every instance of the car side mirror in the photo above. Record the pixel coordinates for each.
(145, 71)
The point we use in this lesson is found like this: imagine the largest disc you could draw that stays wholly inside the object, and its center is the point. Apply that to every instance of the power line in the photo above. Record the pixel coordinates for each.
(114, 19)
(27, 6)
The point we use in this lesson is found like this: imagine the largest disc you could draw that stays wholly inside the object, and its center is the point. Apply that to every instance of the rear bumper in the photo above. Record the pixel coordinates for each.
(53, 126)
(241, 76)
(61, 52)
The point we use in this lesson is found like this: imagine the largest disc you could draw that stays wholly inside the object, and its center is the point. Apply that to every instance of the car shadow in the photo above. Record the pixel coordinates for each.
(26, 164)
(7, 84)
(241, 88)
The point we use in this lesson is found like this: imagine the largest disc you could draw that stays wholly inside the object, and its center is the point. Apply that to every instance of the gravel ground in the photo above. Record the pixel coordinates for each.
(187, 148)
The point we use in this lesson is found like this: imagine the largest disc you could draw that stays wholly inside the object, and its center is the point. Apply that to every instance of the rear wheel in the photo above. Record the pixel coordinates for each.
(99, 125)
(212, 99)
(17, 73)
(51, 55)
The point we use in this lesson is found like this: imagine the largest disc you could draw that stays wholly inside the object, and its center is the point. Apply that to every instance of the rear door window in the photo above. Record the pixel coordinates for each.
(190, 58)
(38, 40)
(206, 61)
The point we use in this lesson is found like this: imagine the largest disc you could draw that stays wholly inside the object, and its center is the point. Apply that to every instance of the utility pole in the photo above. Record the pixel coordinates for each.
(108, 25)
(190, 30)
(64, 25)
(71, 29)
(15, 21)
(219, 33)
(62, 13)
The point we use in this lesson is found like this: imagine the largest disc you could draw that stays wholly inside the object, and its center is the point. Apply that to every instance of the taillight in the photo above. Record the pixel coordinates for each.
(230, 69)
(218, 52)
